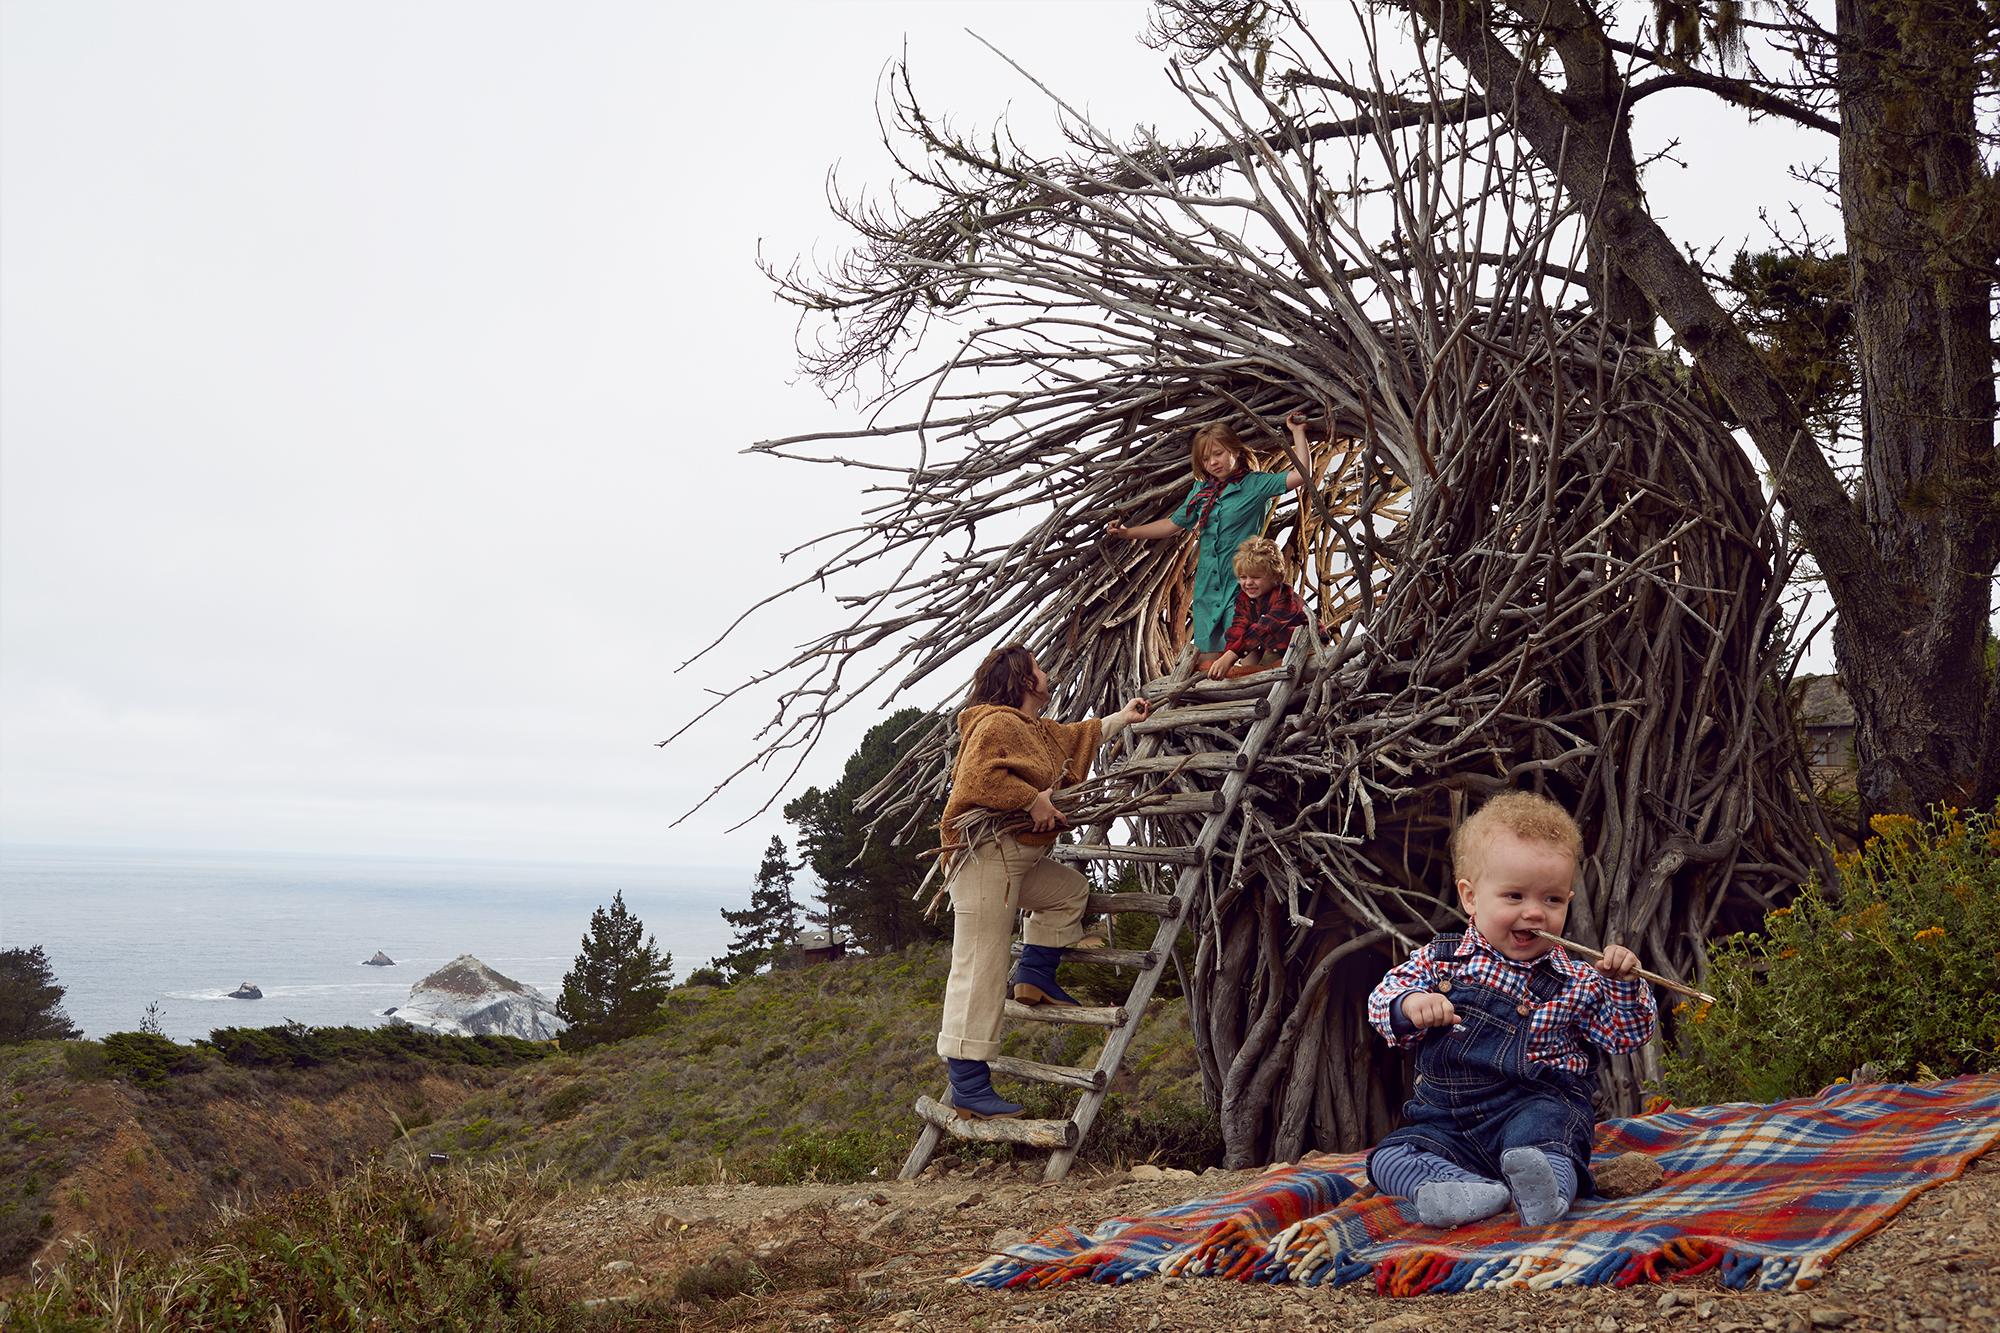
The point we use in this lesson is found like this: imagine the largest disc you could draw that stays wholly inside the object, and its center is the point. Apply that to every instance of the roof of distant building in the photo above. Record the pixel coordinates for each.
(1822, 702)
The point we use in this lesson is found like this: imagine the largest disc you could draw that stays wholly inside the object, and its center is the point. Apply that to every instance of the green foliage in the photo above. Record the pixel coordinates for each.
(617, 984)
(706, 976)
(296, 1046)
(85, 1061)
(146, 1058)
(567, 1102)
(866, 885)
(390, 1249)
(769, 928)
(812, 1155)
(1797, 307)
(1895, 965)
(30, 1000)
(38, 1142)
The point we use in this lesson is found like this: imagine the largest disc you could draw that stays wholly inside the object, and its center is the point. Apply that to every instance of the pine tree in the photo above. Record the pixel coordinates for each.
(867, 884)
(617, 984)
(30, 1000)
(770, 927)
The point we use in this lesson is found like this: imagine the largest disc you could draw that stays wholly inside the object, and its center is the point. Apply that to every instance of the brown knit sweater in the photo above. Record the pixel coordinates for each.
(1006, 756)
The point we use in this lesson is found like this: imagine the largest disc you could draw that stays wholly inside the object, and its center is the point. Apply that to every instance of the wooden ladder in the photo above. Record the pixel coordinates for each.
(1264, 713)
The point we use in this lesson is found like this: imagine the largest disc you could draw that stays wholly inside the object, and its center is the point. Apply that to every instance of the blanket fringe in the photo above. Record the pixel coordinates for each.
(1306, 1254)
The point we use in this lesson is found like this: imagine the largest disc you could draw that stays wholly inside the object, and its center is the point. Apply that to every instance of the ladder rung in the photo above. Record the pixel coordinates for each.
(1036, 1072)
(1195, 715)
(1154, 904)
(1034, 1133)
(1107, 957)
(1176, 856)
(1088, 1016)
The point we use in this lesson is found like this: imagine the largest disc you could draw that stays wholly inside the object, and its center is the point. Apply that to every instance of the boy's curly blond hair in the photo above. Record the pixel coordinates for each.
(1260, 555)
(1526, 815)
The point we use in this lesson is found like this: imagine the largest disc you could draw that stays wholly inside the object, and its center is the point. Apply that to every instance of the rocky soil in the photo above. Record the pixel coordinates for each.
(878, 1257)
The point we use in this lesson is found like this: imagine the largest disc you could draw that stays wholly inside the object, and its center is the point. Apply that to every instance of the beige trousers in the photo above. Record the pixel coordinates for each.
(988, 884)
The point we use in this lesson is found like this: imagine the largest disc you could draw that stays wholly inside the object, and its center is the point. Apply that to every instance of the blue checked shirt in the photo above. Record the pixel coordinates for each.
(1612, 1015)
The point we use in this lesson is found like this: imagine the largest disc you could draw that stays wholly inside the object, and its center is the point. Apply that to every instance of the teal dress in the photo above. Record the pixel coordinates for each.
(1238, 514)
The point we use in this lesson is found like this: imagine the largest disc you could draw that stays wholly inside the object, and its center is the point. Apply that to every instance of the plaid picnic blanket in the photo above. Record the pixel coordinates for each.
(1768, 1195)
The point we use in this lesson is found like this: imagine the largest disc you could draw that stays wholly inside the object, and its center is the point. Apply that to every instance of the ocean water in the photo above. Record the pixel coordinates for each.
(123, 929)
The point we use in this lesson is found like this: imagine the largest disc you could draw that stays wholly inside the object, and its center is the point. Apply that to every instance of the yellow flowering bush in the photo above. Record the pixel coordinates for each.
(1896, 963)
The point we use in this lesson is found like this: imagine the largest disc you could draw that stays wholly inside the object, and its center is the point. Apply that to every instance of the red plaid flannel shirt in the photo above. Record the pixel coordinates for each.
(1266, 624)
(1611, 1015)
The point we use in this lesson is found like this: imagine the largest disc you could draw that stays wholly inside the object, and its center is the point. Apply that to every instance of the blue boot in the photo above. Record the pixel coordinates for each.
(1034, 976)
(972, 1094)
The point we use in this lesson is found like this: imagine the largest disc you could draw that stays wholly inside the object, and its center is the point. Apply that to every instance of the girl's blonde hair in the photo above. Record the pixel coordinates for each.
(1215, 432)
(1259, 555)
(1526, 815)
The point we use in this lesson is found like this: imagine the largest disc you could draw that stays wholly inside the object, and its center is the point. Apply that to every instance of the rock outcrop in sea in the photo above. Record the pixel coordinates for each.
(466, 998)
(380, 960)
(247, 991)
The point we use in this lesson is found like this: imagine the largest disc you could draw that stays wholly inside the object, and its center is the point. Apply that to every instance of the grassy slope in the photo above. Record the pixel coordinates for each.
(85, 1151)
(791, 1076)
(804, 1074)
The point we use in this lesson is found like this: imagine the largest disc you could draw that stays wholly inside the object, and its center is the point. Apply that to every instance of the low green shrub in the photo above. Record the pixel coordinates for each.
(566, 1102)
(1895, 965)
(289, 1046)
(147, 1059)
(805, 1156)
(294, 1045)
(85, 1061)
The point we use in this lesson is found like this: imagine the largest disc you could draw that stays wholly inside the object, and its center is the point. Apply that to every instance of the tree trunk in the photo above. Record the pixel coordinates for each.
(1911, 188)
(1910, 566)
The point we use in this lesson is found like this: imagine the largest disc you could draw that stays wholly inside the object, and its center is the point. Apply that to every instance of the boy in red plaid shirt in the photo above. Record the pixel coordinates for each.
(1505, 1025)
(1267, 611)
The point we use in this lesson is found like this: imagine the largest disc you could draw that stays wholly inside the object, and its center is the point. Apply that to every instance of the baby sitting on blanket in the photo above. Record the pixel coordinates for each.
(1503, 1022)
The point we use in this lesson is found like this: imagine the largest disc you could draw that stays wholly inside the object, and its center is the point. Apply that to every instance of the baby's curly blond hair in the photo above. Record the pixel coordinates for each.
(1526, 815)
(1260, 555)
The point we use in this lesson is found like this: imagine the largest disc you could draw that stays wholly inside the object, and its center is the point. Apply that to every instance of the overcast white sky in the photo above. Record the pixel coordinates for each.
(372, 381)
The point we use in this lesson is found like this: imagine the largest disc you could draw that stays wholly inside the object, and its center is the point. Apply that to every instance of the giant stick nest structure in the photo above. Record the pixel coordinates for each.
(1536, 558)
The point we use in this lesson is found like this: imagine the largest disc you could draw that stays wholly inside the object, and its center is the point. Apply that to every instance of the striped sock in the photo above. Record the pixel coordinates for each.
(1400, 1170)
(1446, 1194)
(1543, 1183)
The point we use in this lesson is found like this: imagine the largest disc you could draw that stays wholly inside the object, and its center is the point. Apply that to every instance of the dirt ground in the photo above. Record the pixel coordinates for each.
(878, 1256)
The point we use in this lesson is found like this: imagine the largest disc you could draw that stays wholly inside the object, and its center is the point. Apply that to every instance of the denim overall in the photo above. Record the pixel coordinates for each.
(1477, 1093)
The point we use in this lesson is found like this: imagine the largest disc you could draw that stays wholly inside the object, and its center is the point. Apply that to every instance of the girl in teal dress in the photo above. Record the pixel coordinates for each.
(1226, 504)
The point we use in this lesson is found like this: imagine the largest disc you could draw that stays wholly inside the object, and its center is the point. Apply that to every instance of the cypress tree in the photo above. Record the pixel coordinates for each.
(770, 927)
(617, 983)
(30, 1000)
